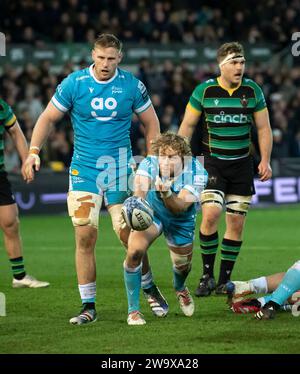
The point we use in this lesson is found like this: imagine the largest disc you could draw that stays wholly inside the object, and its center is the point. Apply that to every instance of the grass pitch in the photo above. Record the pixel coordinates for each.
(37, 319)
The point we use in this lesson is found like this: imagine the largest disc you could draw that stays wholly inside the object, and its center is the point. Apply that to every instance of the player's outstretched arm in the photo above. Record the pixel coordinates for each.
(265, 141)
(40, 133)
(189, 122)
(151, 123)
(20, 143)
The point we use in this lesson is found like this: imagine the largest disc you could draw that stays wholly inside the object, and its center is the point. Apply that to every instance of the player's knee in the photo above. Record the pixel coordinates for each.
(237, 205)
(209, 219)
(84, 208)
(236, 222)
(86, 240)
(135, 256)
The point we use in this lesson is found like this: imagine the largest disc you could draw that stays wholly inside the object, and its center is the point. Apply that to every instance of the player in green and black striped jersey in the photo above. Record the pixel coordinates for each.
(9, 221)
(229, 106)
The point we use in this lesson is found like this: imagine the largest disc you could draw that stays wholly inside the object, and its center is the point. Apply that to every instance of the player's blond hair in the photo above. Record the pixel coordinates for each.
(227, 48)
(108, 41)
(171, 140)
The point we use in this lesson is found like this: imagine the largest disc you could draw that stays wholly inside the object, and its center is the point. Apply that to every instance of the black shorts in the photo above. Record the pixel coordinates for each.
(6, 195)
(230, 176)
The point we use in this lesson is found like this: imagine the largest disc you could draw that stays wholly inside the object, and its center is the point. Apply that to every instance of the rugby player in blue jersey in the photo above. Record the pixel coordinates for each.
(101, 100)
(171, 181)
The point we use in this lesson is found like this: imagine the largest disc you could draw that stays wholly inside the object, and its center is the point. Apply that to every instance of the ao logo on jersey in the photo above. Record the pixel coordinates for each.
(99, 103)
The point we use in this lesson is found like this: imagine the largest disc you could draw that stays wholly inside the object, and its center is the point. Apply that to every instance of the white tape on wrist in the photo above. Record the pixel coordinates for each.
(36, 157)
(34, 147)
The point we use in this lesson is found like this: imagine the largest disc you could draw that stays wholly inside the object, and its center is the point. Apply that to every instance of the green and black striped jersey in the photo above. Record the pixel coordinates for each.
(228, 116)
(7, 120)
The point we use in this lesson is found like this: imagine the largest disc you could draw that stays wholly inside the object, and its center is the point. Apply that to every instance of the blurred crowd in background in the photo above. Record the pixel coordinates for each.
(144, 21)
(170, 85)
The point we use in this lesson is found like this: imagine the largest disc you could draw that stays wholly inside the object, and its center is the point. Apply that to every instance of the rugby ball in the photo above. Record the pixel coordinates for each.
(137, 213)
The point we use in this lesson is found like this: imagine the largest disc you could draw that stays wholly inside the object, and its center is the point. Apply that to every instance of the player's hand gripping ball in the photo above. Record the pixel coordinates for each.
(137, 213)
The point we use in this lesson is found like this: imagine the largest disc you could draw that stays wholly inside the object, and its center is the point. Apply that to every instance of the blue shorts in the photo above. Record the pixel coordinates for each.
(113, 185)
(177, 231)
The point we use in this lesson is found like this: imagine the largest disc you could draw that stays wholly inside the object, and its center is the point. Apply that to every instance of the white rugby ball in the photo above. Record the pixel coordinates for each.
(137, 213)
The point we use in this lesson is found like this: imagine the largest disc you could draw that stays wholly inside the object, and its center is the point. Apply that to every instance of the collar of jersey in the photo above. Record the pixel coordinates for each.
(229, 90)
(102, 82)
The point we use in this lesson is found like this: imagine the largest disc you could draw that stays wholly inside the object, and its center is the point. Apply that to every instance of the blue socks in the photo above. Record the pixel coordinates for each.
(289, 285)
(132, 279)
(179, 278)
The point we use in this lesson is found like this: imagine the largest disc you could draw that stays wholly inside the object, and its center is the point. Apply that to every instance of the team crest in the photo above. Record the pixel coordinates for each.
(244, 101)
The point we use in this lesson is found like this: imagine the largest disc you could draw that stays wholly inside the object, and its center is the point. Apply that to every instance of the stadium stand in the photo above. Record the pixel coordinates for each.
(28, 89)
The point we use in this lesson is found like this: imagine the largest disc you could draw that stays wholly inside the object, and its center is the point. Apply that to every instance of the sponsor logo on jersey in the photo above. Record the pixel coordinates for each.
(212, 179)
(231, 118)
(115, 89)
(98, 103)
(77, 180)
(74, 172)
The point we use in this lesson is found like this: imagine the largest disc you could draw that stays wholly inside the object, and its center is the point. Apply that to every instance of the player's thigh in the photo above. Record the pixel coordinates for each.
(141, 240)
(240, 177)
(84, 197)
(236, 215)
(84, 208)
(119, 225)
(236, 210)
(114, 211)
(8, 206)
(212, 197)
(217, 180)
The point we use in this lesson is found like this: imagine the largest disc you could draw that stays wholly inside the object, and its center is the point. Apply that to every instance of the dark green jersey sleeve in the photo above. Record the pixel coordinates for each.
(197, 97)
(260, 98)
(7, 116)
